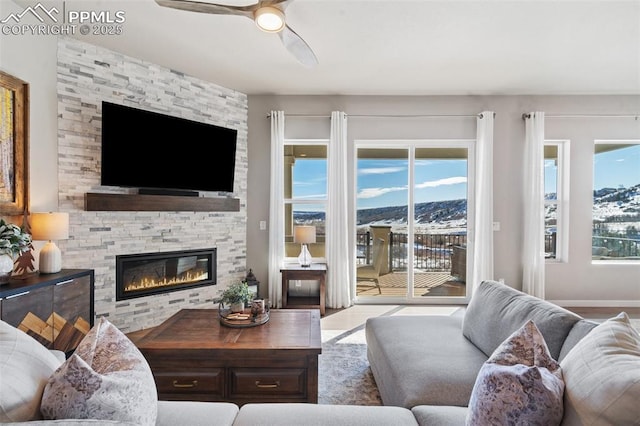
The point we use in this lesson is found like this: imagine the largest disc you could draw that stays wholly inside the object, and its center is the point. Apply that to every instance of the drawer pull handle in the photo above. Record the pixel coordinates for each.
(177, 384)
(267, 385)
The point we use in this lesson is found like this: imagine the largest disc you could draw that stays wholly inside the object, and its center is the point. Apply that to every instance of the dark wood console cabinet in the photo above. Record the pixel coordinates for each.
(55, 309)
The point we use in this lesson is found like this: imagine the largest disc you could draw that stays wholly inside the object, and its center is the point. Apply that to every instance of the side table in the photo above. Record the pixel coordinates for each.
(315, 272)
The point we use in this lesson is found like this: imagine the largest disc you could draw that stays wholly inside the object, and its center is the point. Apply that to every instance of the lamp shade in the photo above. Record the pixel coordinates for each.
(49, 226)
(304, 234)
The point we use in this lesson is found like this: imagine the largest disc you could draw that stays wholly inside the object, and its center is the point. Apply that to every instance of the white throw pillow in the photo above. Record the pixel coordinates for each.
(519, 384)
(602, 376)
(106, 378)
(25, 367)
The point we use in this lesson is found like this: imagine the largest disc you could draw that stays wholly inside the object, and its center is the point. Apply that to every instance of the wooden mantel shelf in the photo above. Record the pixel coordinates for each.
(95, 201)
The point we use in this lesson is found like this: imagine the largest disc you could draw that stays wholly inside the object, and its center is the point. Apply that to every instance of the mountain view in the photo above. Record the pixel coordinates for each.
(618, 209)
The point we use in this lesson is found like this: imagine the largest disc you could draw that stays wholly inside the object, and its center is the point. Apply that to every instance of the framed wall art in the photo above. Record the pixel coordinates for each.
(14, 145)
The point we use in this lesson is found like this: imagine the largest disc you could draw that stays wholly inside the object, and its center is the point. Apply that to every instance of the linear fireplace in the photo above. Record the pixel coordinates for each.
(145, 274)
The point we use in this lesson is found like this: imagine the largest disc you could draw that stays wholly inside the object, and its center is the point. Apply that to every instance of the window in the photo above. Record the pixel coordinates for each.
(616, 201)
(556, 199)
(305, 192)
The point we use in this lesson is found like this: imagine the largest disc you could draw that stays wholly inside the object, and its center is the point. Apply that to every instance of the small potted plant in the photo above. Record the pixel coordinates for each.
(237, 295)
(13, 242)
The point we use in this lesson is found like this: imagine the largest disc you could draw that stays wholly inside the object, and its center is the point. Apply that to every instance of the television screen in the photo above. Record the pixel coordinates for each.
(147, 150)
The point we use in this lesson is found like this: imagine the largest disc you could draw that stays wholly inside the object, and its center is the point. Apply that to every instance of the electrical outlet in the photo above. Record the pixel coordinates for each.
(263, 225)
(298, 283)
(496, 226)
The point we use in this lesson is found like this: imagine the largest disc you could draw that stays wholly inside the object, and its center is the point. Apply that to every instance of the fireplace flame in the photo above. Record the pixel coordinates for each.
(150, 283)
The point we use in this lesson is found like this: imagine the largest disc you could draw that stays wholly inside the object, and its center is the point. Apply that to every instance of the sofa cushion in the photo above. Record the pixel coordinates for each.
(519, 384)
(296, 414)
(497, 310)
(422, 360)
(440, 415)
(578, 331)
(195, 413)
(106, 378)
(602, 376)
(25, 367)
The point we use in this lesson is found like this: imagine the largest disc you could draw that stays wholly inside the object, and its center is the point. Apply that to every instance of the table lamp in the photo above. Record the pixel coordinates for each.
(49, 227)
(304, 235)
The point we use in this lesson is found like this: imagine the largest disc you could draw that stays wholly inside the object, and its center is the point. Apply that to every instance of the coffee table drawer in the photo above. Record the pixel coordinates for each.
(265, 382)
(188, 383)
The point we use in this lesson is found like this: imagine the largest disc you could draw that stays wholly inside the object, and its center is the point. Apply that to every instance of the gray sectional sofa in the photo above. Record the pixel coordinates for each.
(425, 368)
(429, 364)
(434, 360)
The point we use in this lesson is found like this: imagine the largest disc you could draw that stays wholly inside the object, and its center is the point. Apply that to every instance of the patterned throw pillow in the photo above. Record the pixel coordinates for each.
(106, 378)
(520, 384)
(602, 376)
(25, 366)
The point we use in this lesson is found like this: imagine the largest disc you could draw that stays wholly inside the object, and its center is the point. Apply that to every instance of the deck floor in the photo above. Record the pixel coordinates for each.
(425, 284)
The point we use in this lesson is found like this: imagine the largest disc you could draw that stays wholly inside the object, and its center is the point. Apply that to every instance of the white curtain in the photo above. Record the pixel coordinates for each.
(483, 212)
(276, 208)
(533, 193)
(337, 244)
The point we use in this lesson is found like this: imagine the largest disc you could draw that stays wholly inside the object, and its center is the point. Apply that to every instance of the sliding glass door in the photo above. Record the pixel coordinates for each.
(411, 219)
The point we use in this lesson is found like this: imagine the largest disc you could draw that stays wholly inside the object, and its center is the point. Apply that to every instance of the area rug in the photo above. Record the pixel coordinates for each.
(344, 375)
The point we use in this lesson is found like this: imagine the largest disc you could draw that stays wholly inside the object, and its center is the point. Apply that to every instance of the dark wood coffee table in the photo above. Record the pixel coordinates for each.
(194, 357)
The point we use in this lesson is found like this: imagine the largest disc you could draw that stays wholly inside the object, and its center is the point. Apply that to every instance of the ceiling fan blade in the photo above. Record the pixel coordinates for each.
(298, 47)
(213, 8)
(280, 4)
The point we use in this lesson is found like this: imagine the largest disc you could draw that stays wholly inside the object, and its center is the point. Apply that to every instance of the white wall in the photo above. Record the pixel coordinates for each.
(576, 282)
(32, 58)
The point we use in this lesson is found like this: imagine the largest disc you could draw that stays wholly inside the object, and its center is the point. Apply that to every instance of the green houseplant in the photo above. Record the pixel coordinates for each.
(237, 295)
(13, 242)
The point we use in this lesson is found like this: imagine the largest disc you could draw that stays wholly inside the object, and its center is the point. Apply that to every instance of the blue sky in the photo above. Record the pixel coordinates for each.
(383, 182)
(617, 168)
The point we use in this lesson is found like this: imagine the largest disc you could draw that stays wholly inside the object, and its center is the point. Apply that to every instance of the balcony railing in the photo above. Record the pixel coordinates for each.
(615, 247)
(431, 252)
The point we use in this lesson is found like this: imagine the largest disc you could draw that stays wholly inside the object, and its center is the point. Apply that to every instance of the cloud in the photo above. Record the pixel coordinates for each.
(377, 192)
(312, 197)
(446, 181)
(380, 170)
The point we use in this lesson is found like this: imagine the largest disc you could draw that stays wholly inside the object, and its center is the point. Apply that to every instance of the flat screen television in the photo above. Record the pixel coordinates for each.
(161, 154)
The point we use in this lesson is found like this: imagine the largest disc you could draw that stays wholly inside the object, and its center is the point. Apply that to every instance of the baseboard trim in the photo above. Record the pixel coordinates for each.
(597, 303)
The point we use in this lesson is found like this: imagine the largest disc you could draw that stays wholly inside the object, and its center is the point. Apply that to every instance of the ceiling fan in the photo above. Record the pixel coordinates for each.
(268, 15)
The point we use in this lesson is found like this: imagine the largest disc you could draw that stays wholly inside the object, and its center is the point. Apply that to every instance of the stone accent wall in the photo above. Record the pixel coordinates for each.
(87, 75)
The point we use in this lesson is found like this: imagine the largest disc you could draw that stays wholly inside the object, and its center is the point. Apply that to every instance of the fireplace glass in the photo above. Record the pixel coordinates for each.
(145, 274)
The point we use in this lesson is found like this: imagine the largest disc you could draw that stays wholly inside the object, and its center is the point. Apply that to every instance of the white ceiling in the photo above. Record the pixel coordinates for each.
(387, 47)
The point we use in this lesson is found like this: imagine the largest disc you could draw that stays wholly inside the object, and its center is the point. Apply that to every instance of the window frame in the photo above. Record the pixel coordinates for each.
(562, 200)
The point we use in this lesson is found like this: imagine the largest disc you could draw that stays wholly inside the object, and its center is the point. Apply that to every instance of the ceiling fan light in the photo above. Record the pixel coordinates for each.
(269, 19)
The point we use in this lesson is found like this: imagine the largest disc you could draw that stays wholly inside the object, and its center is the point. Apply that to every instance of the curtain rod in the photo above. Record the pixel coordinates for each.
(389, 115)
(634, 116)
